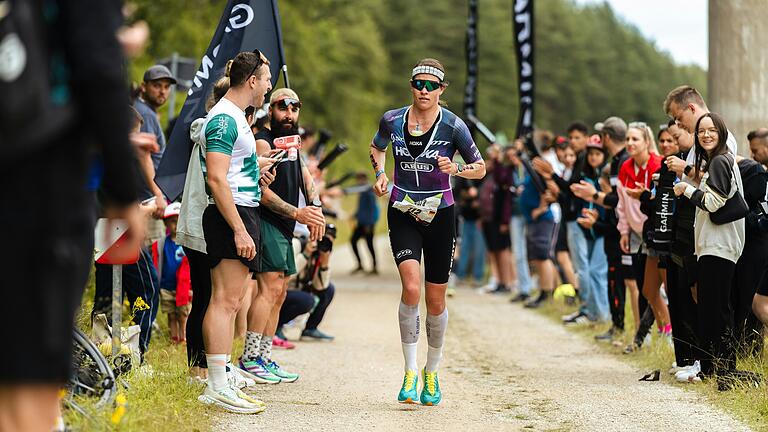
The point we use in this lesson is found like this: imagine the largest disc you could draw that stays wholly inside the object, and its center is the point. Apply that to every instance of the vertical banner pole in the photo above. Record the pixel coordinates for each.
(470, 89)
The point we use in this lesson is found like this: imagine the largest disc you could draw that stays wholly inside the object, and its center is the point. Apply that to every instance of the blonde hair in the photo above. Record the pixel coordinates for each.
(647, 135)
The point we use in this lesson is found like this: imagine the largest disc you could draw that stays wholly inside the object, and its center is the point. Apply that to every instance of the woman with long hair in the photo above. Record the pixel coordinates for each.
(425, 137)
(636, 172)
(718, 246)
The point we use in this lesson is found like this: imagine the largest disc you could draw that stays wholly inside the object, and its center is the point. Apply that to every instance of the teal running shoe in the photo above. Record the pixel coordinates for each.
(285, 376)
(409, 393)
(258, 371)
(430, 393)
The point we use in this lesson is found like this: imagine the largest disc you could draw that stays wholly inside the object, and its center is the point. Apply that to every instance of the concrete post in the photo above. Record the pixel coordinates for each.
(738, 65)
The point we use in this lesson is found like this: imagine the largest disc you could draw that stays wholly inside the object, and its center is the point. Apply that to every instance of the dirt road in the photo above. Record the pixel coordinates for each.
(504, 368)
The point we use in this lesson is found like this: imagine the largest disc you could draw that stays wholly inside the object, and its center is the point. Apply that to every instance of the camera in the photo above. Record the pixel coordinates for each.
(325, 244)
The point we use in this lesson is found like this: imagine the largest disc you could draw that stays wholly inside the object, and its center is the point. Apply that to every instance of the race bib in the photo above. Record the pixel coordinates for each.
(423, 211)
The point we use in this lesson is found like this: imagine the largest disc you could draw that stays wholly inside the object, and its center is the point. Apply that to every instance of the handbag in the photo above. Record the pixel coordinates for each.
(735, 208)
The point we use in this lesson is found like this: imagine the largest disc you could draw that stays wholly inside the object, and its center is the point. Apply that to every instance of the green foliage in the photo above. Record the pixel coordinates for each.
(350, 60)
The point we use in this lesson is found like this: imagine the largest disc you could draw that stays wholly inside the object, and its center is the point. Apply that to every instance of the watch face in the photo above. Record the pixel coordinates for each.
(317, 203)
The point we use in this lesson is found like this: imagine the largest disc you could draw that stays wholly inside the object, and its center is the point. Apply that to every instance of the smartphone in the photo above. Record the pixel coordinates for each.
(279, 156)
(286, 142)
(148, 201)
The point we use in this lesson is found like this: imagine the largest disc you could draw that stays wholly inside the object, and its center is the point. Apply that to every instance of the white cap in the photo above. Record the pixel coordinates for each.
(173, 209)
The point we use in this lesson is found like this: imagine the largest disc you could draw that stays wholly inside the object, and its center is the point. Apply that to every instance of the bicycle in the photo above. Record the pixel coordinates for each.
(92, 375)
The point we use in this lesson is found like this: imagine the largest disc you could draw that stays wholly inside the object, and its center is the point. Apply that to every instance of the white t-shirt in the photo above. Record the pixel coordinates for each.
(227, 131)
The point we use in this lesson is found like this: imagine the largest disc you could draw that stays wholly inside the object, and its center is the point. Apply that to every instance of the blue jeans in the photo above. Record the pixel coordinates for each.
(577, 247)
(472, 247)
(517, 231)
(597, 307)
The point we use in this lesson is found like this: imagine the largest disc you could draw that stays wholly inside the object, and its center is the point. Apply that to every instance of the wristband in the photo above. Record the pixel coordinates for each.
(379, 172)
(687, 170)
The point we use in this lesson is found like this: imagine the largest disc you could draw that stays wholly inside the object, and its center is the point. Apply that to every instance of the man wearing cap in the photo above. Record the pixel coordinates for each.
(279, 213)
(153, 94)
(613, 133)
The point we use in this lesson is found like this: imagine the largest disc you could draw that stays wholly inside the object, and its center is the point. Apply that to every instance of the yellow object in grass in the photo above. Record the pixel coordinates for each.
(120, 407)
(564, 291)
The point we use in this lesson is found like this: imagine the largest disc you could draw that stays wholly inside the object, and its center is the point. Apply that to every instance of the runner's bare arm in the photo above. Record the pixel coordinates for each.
(378, 157)
(475, 170)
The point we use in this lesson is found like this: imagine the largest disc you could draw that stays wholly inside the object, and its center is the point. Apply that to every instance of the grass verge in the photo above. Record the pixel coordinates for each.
(746, 403)
(158, 397)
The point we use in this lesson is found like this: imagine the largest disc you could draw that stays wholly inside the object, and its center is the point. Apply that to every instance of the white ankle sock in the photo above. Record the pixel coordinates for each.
(217, 371)
(434, 355)
(409, 353)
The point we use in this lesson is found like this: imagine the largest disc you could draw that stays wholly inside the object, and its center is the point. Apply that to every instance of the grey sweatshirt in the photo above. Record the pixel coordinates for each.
(719, 183)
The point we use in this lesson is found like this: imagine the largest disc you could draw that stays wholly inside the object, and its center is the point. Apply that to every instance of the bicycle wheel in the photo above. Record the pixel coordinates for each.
(91, 374)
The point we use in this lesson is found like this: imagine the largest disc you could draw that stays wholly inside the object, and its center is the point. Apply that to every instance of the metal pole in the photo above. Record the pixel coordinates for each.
(117, 307)
(172, 95)
(285, 76)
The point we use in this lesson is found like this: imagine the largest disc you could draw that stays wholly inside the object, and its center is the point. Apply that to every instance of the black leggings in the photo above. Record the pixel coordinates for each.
(360, 232)
(716, 277)
(408, 238)
(200, 275)
(682, 309)
(749, 269)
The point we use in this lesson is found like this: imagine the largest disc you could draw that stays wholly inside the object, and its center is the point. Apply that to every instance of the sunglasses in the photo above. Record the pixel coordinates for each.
(283, 104)
(420, 84)
(259, 62)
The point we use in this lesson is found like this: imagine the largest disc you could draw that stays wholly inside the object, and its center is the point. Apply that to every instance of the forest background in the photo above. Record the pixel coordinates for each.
(349, 60)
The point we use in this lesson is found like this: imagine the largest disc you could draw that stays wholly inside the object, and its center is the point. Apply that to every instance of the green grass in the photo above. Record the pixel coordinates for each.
(159, 400)
(746, 403)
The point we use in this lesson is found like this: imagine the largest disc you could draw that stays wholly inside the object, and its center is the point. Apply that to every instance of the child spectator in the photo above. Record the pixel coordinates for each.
(173, 269)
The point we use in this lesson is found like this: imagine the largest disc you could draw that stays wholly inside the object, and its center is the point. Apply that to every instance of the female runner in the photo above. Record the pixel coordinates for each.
(424, 137)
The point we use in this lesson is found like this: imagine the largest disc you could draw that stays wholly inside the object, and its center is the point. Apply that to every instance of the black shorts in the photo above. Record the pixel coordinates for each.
(408, 238)
(46, 223)
(540, 238)
(495, 240)
(220, 239)
(762, 286)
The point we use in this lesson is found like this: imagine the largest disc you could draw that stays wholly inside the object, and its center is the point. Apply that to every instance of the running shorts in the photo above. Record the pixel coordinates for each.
(437, 240)
(220, 239)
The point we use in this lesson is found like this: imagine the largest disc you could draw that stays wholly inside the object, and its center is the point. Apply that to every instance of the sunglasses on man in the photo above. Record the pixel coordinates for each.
(420, 84)
(284, 104)
(259, 62)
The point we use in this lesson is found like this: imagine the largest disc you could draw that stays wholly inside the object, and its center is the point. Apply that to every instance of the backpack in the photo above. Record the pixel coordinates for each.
(35, 102)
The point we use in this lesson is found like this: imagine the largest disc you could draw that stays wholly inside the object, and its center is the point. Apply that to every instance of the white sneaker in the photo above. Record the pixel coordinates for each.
(690, 373)
(571, 316)
(248, 398)
(228, 400)
(675, 368)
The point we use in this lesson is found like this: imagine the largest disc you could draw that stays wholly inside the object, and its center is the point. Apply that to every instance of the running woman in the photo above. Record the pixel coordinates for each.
(424, 138)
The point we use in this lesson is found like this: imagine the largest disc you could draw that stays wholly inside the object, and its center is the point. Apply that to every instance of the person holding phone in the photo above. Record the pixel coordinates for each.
(424, 137)
(279, 213)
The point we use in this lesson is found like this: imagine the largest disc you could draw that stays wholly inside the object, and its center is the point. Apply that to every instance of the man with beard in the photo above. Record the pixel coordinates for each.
(279, 214)
(154, 93)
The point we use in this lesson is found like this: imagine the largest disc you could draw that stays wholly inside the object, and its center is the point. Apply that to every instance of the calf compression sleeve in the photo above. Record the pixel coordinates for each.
(436, 326)
(408, 316)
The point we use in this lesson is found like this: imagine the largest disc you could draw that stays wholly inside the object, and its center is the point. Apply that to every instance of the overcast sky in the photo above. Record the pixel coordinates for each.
(679, 26)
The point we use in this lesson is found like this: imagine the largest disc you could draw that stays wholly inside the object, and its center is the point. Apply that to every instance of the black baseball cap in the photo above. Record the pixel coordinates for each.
(157, 72)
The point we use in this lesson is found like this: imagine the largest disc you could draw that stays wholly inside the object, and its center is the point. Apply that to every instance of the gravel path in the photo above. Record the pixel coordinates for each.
(504, 368)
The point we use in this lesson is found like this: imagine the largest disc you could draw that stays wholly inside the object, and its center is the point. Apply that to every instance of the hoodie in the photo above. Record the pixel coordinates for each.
(194, 200)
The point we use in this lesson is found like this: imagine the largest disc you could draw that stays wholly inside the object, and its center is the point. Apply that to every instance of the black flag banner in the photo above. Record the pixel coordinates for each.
(470, 89)
(523, 33)
(245, 25)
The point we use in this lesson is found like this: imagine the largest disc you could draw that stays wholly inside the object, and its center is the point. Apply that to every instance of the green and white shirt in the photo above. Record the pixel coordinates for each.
(228, 132)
